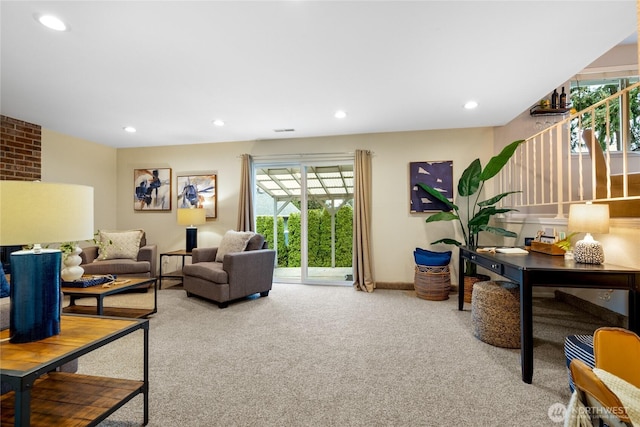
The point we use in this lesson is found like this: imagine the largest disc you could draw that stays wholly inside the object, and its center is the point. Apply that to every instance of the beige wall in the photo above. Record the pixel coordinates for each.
(72, 160)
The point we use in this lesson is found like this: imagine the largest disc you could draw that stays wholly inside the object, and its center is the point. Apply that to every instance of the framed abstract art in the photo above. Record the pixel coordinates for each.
(198, 191)
(437, 174)
(152, 189)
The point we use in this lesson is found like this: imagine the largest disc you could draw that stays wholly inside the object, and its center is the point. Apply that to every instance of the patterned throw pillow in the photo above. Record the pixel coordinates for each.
(233, 241)
(124, 244)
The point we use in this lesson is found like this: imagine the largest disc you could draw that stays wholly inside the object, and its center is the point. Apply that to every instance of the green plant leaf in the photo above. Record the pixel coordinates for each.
(437, 195)
(482, 217)
(442, 216)
(496, 199)
(447, 242)
(499, 231)
(496, 163)
(470, 179)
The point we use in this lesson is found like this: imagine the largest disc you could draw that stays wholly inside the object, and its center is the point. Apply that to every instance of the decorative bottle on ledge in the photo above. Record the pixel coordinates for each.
(563, 99)
(554, 99)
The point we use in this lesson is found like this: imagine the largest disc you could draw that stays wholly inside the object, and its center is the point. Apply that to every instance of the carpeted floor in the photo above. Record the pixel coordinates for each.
(332, 356)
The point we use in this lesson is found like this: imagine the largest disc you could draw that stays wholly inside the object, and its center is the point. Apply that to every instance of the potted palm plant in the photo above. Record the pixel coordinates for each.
(476, 213)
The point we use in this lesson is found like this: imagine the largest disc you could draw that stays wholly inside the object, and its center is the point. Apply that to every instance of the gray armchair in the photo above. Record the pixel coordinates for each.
(239, 275)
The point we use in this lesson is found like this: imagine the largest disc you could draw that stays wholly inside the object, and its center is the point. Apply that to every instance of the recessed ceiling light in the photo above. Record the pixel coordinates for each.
(470, 105)
(129, 129)
(340, 114)
(218, 122)
(51, 22)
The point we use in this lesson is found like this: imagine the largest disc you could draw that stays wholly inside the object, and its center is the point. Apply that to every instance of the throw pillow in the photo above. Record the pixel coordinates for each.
(124, 244)
(233, 241)
(431, 258)
(256, 242)
(4, 285)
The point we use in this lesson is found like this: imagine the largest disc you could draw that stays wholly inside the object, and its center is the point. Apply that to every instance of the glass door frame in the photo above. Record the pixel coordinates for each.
(302, 165)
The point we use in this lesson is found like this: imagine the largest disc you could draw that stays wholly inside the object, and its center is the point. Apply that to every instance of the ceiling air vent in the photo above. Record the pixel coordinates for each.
(284, 130)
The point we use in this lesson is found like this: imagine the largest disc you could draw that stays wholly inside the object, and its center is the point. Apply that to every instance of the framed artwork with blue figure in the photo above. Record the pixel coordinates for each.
(199, 191)
(437, 174)
(152, 189)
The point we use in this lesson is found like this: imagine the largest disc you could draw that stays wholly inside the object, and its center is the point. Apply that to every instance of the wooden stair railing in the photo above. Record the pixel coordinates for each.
(548, 173)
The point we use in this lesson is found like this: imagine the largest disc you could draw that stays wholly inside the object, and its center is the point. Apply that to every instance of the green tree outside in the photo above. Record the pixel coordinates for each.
(319, 237)
(584, 96)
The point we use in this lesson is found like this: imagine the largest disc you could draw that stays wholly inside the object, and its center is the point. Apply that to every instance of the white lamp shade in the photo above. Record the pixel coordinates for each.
(37, 212)
(589, 218)
(193, 216)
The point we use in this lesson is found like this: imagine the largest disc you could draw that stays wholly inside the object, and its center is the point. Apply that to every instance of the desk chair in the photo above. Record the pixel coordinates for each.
(617, 351)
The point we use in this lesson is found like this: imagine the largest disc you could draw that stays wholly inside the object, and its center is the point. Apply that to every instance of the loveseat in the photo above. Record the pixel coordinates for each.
(122, 253)
(241, 266)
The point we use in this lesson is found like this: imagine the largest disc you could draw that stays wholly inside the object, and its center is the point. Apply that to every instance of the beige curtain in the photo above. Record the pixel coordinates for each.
(362, 266)
(245, 204)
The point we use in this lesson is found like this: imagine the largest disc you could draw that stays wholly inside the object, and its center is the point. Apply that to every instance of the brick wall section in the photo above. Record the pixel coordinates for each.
(20, 150)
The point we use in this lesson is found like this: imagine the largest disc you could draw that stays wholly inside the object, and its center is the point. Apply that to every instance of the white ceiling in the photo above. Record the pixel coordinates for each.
(169, 68)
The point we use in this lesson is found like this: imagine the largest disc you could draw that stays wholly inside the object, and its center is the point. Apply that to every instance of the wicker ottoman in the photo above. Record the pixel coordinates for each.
(432, 282)
(495, 313)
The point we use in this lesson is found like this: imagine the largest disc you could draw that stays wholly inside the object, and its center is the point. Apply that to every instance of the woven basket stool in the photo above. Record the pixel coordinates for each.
(432, 282)
(495, 313)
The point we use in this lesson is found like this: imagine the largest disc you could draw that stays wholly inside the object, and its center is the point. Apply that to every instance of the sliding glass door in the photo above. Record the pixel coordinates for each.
(306, 211)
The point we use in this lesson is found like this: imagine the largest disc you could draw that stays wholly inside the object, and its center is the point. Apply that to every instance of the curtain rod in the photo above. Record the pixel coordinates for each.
(303, 155)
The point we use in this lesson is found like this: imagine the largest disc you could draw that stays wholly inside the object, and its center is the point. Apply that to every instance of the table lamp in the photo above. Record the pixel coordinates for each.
(191, 218)
(589, 218)
(32, 213)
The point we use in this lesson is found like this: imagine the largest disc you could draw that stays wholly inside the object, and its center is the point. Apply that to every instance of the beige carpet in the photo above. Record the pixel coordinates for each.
(332, 356)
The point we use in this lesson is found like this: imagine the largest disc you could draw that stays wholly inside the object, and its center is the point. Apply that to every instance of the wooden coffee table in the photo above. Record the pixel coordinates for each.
(99, 292)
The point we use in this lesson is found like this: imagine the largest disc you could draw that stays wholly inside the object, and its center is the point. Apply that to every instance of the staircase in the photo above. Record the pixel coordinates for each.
(578, 160)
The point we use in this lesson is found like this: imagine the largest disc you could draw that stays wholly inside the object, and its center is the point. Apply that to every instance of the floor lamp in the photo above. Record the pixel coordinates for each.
(191, 218)
(32, 213)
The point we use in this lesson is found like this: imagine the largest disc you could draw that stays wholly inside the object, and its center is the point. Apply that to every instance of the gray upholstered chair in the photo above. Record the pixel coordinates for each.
(225, 273)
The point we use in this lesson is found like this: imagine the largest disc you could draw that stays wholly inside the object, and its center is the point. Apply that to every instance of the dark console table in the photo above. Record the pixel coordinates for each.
(536, 269)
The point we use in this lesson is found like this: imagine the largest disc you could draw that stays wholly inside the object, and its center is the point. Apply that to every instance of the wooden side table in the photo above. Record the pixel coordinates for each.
(57, 398)
(177, 274)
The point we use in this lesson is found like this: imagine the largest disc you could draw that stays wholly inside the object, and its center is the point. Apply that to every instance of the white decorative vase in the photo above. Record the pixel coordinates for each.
(72, 270)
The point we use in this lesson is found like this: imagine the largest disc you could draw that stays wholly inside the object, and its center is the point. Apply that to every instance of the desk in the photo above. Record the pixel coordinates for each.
(536, 269)
(174, 274)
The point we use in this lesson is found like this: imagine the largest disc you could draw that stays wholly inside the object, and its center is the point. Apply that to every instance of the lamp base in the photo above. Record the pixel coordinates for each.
(588, 252)
(35, 295)
(192, 238)
(72, 270)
